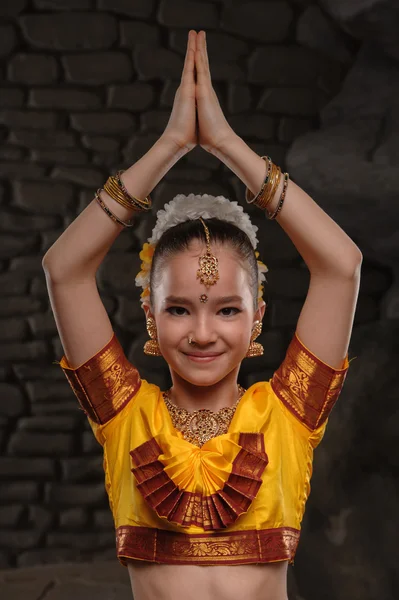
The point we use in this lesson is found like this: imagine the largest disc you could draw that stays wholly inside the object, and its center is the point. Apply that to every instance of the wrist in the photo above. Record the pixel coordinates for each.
(221, 149)
(172, 147)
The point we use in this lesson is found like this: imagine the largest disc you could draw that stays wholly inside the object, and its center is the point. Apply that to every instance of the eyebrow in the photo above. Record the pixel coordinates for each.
(219, 300)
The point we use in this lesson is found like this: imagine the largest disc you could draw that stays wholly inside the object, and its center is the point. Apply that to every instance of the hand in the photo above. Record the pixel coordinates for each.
(182, 126)
(212, 124)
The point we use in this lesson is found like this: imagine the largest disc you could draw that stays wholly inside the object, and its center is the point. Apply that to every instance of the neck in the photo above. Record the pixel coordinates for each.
(212, 397)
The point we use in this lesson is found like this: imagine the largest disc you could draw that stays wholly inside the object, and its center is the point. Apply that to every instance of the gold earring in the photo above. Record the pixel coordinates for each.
(255, 349)
(151, 346)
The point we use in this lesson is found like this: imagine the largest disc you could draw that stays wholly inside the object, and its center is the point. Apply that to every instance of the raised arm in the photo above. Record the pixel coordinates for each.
(71, 263)
(325, 323)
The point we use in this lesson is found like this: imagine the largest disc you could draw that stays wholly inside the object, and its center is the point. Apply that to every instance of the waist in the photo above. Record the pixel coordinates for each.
(254, 581)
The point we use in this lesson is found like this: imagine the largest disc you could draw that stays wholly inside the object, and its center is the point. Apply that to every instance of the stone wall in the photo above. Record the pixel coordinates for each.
(87, 87)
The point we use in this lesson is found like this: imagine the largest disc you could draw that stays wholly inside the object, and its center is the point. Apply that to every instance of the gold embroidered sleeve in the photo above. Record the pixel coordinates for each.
(306, 385)
(105, 383)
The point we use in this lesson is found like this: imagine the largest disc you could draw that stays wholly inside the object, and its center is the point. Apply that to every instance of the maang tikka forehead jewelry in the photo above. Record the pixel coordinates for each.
(207, 273)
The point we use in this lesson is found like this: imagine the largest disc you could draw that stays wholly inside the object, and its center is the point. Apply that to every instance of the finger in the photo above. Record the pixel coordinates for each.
(189, 62)
(205, 50)
(201, 62)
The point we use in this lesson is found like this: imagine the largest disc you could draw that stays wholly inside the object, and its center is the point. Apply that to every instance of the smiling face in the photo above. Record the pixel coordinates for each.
(221, 326)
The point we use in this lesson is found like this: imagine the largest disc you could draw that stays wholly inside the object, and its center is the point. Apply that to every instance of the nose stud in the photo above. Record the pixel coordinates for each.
(190, 339)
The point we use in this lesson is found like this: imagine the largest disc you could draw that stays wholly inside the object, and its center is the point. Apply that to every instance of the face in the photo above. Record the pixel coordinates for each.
(221, 326)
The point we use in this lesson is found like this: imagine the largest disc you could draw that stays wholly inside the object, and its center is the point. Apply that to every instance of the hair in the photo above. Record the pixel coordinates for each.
(177, 239)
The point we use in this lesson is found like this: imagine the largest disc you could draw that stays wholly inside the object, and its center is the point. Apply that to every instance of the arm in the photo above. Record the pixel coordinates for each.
(79, 251)
(70, 265)
(334, 260)
(323, 245)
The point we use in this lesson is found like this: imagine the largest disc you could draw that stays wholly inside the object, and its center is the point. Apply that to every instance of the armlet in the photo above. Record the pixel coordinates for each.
(105, 383)
(306, 385)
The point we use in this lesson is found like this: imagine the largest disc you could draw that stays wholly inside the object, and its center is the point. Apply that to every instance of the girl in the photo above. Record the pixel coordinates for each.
(207, 481)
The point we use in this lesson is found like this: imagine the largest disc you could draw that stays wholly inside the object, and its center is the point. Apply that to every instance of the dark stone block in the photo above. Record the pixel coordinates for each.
(292, 101)
(137, 32)
(62, 4)
(28, 222)
(69, 494)
(19, 539)
(28, 119)
(19, 491)
(33, 69)
(20, 170)
(11, 97)
(289, 128)
(13, 403)
(64, 98)
(101, 144)
(98, 68)
(32, 350)
(258, 126)
(74, 518)
(53, 423)
(44, 197)
(10, 515)
(70, 31)
(157, 63)
(141, 9)
(11, 9)
(81, 541)
(188, 14)
(86, 177)
(8, 39)
(286, 65)
(32, 467)
(13, 330)
(66, 157)
(107, 122)
(26, 443)
(135, 97)
(42, 139)
(266, 22)
(83, 469)
(239, 98)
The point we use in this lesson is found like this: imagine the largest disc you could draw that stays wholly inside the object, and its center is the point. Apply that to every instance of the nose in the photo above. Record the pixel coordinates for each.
(203, 331)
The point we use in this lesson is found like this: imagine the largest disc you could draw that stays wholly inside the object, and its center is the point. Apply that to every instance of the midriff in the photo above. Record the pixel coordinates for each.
(193, 582)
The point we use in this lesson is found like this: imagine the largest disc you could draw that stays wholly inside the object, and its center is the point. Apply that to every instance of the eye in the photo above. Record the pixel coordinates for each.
(229, 308)
(176, 308)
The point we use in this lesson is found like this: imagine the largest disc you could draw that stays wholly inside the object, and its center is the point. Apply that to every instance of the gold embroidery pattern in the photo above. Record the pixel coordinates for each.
(227, 548)
(215, 511)
(307, 386)
(105, 383)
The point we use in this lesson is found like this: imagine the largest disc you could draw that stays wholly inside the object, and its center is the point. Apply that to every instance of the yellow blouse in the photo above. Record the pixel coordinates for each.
(239, 498)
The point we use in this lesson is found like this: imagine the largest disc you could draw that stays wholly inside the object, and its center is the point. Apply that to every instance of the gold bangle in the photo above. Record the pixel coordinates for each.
(114, 189)
(266, 198)
(248, 193)
(273, 188)
(116, 193)
(282, 197)
(146, 203)
(109, 212)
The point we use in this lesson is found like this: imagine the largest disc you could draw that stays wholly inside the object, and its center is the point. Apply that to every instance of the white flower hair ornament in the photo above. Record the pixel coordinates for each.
(183, 208)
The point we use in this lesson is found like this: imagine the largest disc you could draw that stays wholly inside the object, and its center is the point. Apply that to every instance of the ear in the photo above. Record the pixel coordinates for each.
(147, 311)
(260, 311)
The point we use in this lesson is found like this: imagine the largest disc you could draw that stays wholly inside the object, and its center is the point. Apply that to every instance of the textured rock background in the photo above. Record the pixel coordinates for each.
(87, 87)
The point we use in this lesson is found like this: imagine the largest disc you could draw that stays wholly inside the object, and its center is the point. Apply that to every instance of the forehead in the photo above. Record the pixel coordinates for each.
(179, 272)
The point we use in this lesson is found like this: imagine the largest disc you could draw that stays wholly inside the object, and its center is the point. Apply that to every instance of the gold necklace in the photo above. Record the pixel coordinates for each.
(201, 425)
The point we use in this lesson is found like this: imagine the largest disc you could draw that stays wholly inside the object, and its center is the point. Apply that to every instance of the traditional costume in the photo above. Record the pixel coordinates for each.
(205, 488)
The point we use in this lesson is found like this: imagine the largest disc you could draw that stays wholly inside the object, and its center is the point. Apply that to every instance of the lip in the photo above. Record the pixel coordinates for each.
(203, 357)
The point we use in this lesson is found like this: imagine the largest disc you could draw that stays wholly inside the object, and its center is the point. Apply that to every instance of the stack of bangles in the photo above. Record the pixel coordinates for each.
(115, 187)
(268, 189)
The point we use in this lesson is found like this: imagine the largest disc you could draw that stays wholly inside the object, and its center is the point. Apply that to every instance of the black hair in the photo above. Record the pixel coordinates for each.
(177, 239)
